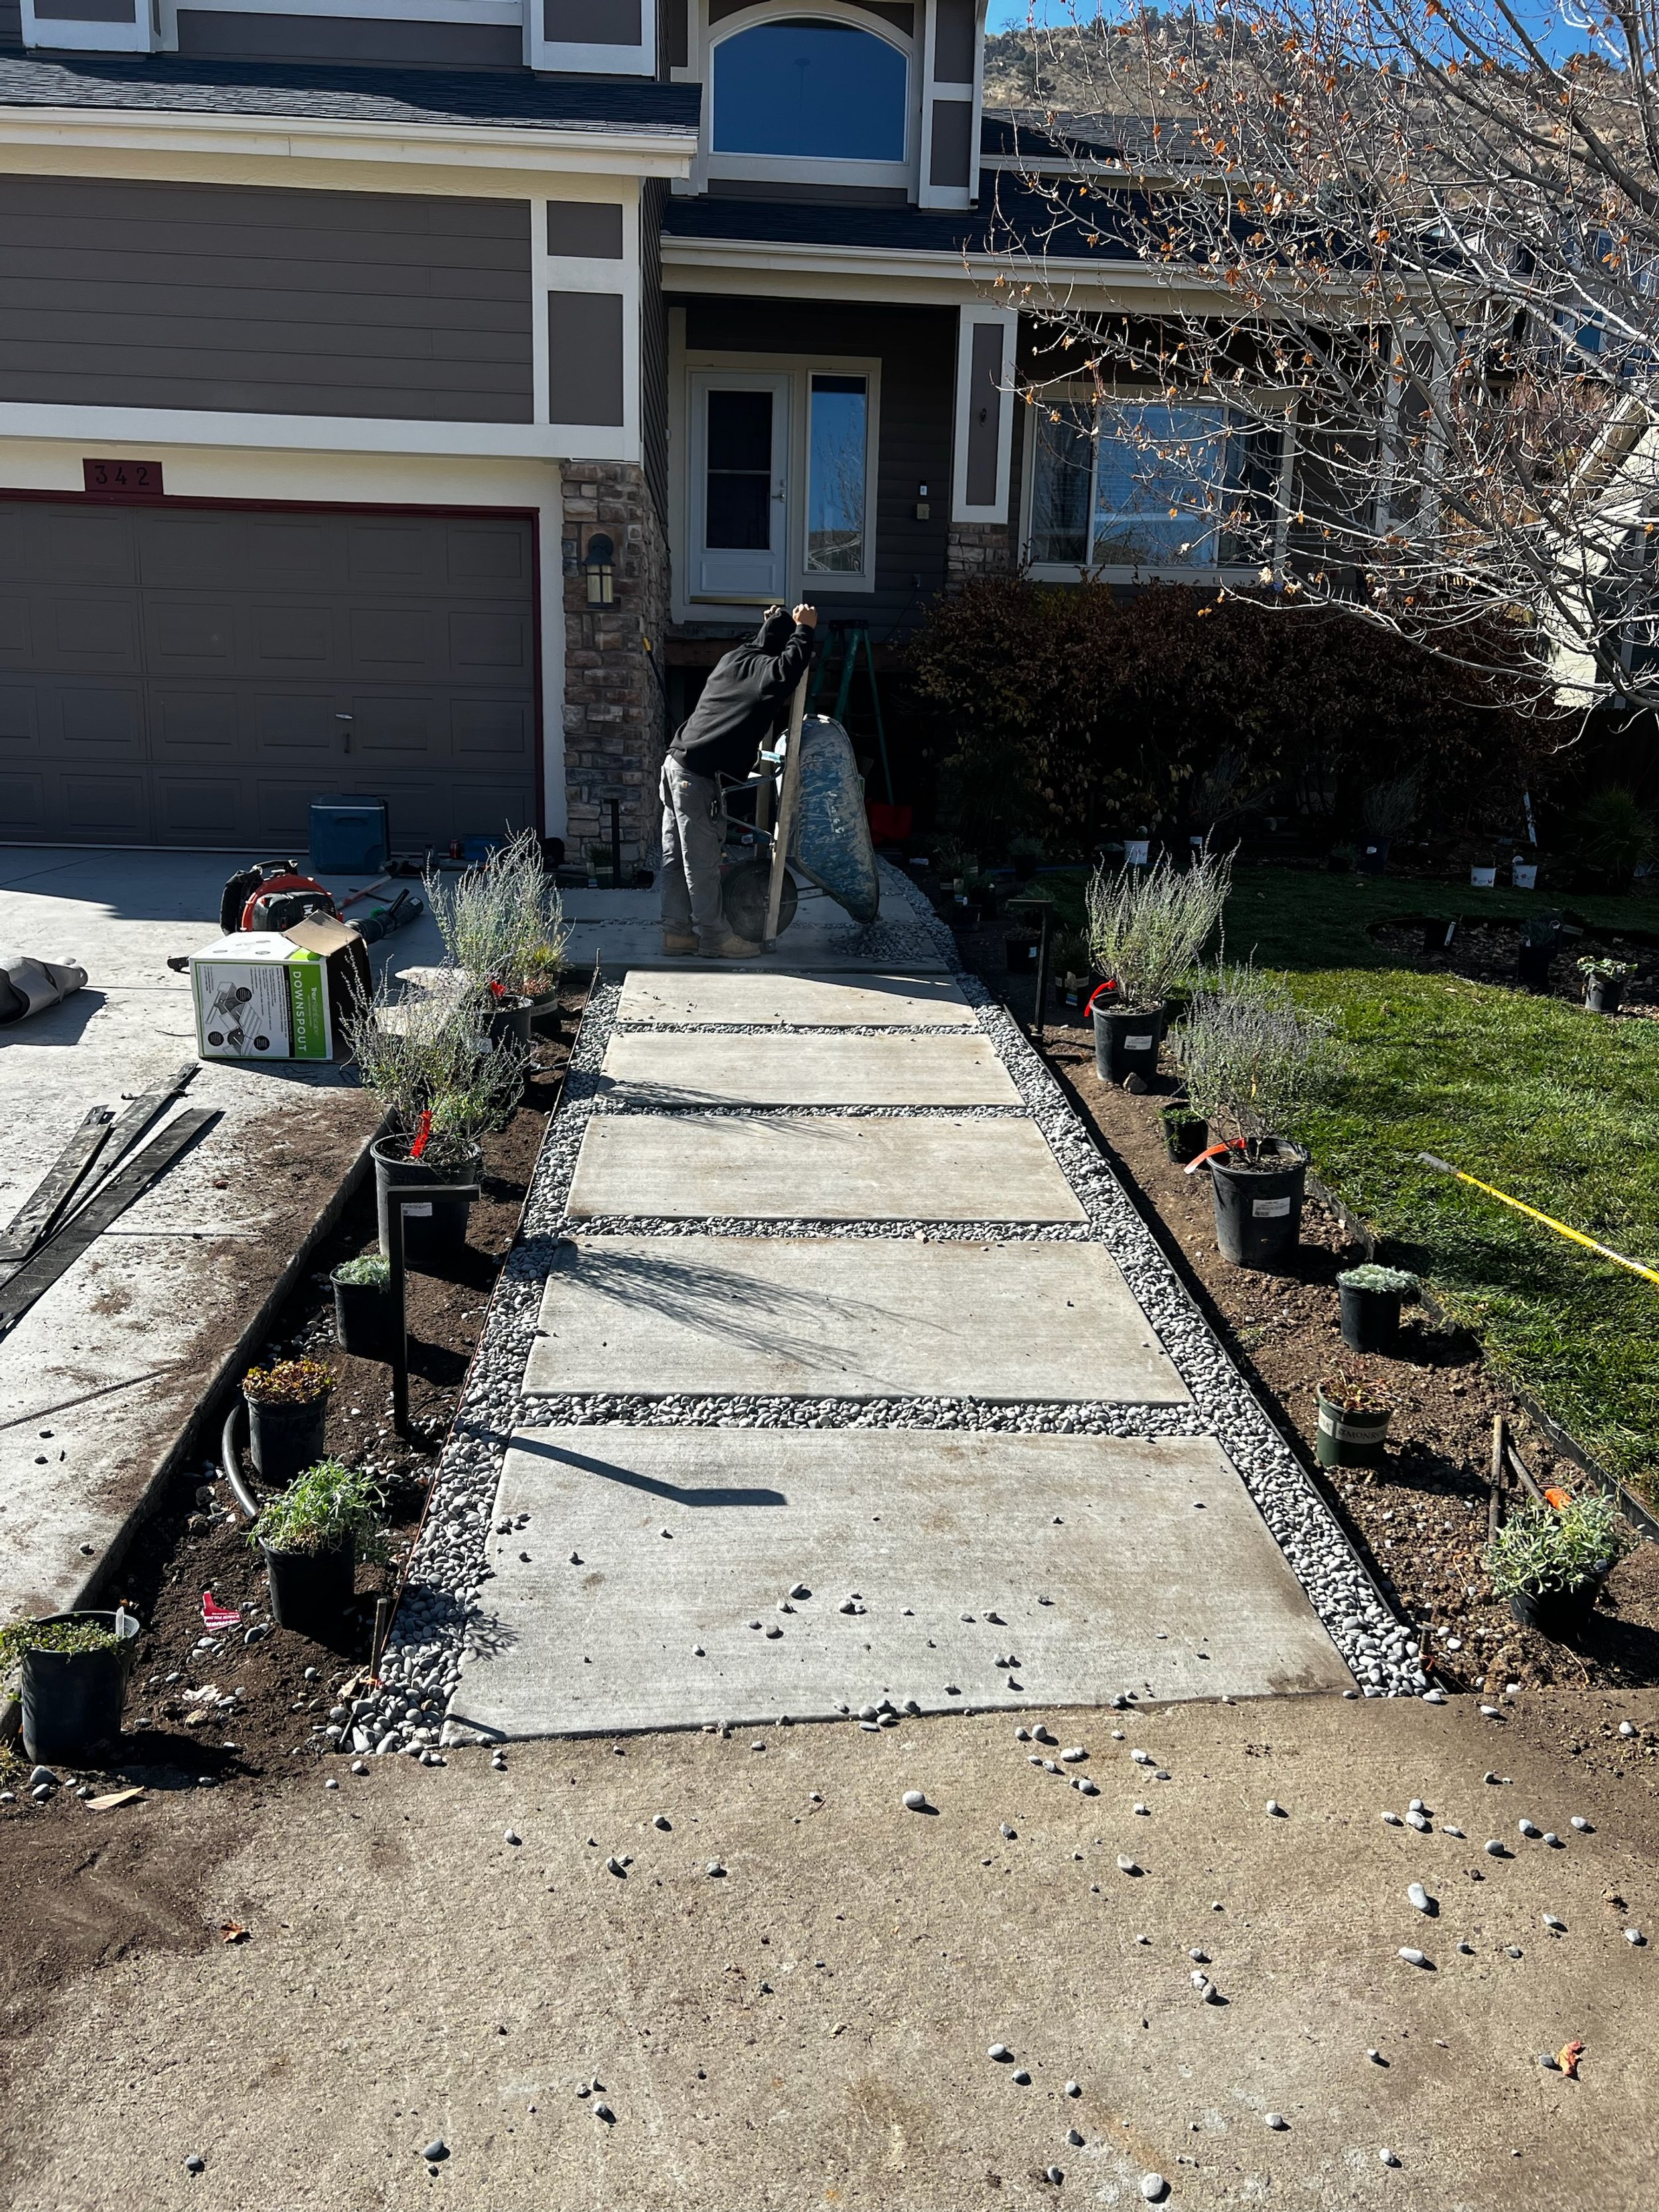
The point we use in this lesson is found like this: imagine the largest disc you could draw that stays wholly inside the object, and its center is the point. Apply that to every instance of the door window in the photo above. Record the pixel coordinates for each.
(739, 490)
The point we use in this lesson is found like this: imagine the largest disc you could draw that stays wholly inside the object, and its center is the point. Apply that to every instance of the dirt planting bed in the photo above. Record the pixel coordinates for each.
(1487, 952)
(233, 1717)
(1420, 1519)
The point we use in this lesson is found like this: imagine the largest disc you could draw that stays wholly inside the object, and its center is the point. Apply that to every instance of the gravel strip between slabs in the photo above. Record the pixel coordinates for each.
(442, 1608)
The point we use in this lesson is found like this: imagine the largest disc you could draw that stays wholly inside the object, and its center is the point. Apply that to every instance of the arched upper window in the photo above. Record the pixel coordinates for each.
(819, 91)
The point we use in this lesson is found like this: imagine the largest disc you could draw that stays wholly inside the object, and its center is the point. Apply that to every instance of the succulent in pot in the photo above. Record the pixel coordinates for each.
(1604, 982)
(311, 1537)
(1146, 928)
(1353, 1422)
(287, 1411)
(71, 1670)
(1550, 1559)
(1368, 1299)
(364, 1321)
(1252, 1061)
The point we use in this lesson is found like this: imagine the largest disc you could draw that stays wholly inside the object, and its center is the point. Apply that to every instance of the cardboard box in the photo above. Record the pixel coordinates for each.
(265, 994)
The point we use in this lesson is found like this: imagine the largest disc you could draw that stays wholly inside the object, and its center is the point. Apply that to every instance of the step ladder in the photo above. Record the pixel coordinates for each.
(850, 639)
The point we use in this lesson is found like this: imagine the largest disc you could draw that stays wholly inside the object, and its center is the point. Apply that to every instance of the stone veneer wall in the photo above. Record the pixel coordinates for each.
(978, 548)
(614, 718)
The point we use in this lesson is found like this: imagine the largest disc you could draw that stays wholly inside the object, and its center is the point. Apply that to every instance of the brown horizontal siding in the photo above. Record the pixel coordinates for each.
(916, 347)
(244, 299)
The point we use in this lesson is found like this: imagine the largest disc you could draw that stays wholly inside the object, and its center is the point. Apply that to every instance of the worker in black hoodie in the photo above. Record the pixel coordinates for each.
(743, 705)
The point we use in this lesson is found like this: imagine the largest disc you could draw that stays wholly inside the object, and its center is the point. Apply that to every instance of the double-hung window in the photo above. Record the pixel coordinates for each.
(1151, 486)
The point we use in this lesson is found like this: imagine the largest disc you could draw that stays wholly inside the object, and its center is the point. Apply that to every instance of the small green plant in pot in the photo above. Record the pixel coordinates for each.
(71, 1669)
(1146, 928)
(287, 1411)
(1368, 1298)
(1604, 982)
(1185, 1134)
(364, 1323)
(1353, 1422)
(312, 1536)
(1252, 1061)
(1551, 1561)
(442, 1089)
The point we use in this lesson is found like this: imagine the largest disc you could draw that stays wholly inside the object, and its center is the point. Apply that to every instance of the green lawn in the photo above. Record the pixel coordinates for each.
(1554, 1105)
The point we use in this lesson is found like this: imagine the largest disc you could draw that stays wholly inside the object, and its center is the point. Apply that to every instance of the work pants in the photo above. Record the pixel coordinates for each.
(693, 835)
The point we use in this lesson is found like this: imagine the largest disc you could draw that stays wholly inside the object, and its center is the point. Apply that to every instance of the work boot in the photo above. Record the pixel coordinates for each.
(677, 940)
(734, 948)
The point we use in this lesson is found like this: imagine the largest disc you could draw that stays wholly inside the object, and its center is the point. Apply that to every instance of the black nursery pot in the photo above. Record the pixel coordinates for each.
(430, 1239)
(72, 1700)
(283, 1441)
(310, 1591)
(1020, 952)
(1532, 965)
(1374, 858)
(1603, 992)
(509, 1022)
(545, 1015)
(1258, 1210)
(1562, 1615)
(1371, 1319)
(1185, 1135)
(1126, 1044)
(365, 1319)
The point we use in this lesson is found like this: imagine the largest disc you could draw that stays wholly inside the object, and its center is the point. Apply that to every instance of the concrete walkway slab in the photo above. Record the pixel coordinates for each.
(744, 998)
(830, 1167)
(841, 949)
(687, 1069)
(846, 1317)
(1105, 1577)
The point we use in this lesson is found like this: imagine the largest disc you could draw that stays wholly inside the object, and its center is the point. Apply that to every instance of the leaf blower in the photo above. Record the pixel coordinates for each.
(272, 895)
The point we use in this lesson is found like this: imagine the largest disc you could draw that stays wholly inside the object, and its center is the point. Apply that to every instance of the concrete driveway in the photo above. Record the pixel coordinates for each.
(99, 1381)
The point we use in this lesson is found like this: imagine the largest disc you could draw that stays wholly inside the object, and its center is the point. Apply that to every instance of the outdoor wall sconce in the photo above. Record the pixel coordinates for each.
(600, 567)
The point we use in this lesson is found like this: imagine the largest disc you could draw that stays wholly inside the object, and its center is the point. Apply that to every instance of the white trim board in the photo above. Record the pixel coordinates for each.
(166, 426)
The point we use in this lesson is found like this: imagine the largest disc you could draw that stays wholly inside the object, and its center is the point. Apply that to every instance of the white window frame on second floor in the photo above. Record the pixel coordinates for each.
(787, 168)
(1167, 570)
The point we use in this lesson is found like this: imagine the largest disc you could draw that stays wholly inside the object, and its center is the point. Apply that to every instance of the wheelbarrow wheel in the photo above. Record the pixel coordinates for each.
(744, 894)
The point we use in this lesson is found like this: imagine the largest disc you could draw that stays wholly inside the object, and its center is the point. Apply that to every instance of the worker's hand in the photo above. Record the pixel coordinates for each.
(807, 618)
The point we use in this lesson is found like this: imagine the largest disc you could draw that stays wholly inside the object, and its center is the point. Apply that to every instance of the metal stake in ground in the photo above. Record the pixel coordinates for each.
(398, 1196)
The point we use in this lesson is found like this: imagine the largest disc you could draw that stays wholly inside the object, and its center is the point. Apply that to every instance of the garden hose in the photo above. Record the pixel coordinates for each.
(1549, 1221)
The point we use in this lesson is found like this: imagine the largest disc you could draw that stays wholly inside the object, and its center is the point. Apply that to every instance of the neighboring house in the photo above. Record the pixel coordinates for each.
(376, 380)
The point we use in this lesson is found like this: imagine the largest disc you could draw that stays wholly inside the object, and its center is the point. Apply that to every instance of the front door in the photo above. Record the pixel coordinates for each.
(739, 486)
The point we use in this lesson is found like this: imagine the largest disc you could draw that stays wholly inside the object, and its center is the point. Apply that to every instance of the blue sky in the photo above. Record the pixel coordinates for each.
(1009, 14)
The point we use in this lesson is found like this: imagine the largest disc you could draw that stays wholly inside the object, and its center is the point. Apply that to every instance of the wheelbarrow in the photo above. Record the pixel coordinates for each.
(809, 821)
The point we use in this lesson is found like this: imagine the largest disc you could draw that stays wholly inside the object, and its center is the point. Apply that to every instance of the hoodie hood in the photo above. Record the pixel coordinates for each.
(774, 633)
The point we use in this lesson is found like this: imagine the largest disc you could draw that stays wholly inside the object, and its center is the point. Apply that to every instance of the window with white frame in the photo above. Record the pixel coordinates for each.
(810, 90)
(1147, 484)
(779, 486)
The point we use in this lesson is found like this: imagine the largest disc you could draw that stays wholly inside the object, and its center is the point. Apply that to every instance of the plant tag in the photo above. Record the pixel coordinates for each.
(1270, 1209)
(1137, 1044)
(420, 1211)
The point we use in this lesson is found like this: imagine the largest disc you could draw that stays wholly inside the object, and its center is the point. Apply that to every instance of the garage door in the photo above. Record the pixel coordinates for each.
(177, 676)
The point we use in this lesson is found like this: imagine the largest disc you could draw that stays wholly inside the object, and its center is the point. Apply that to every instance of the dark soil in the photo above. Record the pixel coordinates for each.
(1420, 1520)
(1487, 952)
(58, 1896)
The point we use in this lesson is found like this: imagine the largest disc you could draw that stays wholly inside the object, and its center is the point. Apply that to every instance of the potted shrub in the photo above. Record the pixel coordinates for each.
(1252, 1061)
(1069, 968)
(1146, 928)
(1541, 938)
(365, 1324)
(1025, 853)
(287, 1409)
(442, 1091)
(1483, 873)
(503, 931)
(1387, 810)
(71, 1668)
(1523, 874)
(1550, 1561)
(1353, 1422)
(1369, 1297)
(1604, 982)
(311, 1538)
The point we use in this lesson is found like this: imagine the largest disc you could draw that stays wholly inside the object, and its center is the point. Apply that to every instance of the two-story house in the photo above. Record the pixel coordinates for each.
(377, 379)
